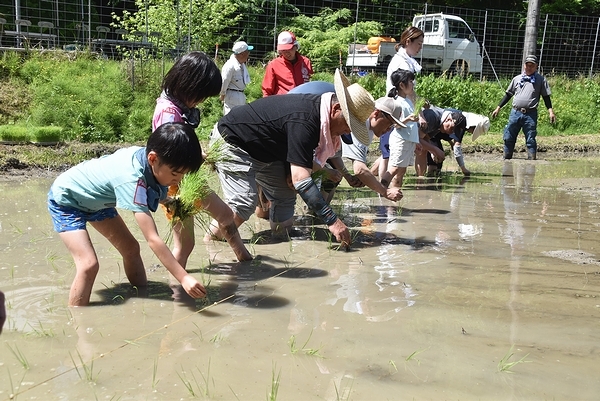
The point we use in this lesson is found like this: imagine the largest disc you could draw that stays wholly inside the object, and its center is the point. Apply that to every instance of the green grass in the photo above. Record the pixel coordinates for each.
(94, 101)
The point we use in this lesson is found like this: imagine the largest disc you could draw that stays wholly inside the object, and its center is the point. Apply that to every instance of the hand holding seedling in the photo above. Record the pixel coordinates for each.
(341, 232)
(394, 194)
(193, 287)
(411, 118)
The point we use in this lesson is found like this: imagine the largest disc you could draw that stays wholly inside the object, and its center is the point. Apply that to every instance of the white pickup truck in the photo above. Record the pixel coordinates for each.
(449, 45)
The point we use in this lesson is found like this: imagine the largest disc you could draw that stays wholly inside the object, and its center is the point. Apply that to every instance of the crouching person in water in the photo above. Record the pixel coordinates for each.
(134, 179)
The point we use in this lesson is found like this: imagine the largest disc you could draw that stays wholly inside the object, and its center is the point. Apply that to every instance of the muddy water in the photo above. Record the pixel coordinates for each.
(486, 288)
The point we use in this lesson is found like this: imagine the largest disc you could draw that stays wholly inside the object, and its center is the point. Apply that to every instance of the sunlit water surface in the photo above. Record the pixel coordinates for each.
(486, 288)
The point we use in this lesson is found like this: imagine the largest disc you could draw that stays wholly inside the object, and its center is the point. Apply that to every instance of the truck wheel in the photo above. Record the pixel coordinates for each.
(459, 68)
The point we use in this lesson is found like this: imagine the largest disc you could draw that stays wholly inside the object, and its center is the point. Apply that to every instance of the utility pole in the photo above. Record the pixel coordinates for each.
(531, 28)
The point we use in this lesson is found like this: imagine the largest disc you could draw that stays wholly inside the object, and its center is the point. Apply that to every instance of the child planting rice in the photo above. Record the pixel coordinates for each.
(192, 79)
(135, 179)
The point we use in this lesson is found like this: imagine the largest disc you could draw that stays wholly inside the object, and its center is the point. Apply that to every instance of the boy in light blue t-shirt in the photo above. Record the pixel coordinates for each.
(134, 179)
(404, 141)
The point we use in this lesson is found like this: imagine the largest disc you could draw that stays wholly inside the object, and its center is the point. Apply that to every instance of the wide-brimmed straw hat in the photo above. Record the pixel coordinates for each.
(357, 104)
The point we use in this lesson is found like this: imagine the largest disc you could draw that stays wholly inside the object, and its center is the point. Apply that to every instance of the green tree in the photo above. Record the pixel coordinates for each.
(193, 24)
(325, 37)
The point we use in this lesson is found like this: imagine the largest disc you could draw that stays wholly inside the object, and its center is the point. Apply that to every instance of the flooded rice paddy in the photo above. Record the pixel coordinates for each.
(479, 288)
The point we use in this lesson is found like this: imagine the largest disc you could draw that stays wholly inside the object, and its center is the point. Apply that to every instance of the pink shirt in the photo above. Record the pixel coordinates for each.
(166, 112)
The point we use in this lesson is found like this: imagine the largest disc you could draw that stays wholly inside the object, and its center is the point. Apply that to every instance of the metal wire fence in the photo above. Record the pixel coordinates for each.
(566, 43)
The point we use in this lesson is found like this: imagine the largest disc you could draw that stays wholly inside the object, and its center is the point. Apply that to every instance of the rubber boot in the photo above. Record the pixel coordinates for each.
(531, 155)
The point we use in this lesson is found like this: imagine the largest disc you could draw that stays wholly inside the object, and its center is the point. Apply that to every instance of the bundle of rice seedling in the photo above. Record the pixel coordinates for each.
(186, 200)
(419, 104)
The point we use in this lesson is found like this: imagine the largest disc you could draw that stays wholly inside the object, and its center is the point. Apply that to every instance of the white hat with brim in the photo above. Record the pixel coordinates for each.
(481, 124)
(357, 104)
(241, 46)
(392, 108)
(482, 127)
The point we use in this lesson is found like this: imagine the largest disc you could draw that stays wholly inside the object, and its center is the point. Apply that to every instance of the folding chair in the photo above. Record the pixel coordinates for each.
(23, 35)
(47, 37)
(100, 40)
(2, 23)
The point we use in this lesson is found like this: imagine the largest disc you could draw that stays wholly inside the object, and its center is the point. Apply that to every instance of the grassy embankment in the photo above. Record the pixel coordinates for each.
(101, 105)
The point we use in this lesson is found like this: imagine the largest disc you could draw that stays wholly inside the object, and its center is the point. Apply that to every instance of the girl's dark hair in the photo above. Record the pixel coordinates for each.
(409, 34)
(177, 146)
(193, 78)
(398, 77)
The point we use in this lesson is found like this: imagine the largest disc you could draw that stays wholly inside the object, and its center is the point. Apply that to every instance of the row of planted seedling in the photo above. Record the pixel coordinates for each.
(22, 134)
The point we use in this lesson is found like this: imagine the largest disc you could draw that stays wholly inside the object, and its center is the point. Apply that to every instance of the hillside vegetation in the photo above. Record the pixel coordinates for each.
(96, 100)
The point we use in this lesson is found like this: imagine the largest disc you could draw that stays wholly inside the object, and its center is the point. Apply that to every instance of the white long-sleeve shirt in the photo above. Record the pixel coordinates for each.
(235, 75)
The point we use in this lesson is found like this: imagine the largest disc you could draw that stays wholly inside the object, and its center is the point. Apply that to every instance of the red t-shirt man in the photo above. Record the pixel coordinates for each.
(287, 71)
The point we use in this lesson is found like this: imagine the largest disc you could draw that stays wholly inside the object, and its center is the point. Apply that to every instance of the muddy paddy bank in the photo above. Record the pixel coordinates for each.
(479, 288)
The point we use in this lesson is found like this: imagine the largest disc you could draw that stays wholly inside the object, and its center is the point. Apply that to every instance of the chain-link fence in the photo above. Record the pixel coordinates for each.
(566, 43)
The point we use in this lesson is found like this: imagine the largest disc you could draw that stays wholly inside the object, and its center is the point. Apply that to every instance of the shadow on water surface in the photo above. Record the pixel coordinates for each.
(501, 267)
(219, 292)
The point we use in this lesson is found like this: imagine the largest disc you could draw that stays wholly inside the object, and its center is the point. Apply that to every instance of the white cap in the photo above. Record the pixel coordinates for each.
(286, 40)
(240, 47)
(390, 107)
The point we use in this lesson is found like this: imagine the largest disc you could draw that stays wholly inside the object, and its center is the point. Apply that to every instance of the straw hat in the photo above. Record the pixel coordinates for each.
(357, 105)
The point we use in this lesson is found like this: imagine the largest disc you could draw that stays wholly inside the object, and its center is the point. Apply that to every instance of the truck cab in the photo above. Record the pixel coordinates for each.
(449, 45)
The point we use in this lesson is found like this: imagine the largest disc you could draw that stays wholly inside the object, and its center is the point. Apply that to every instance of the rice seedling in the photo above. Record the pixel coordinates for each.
(41, 331)
(118, 299)
(16, 229)
(216, 338)
(275, 381)
(186, 382)
(198, 333)
(234, 394)
(307, 351)
(50, 307)
(393, 367)
(412, 357)
(52, 257)
(342, 394)
(505, 366)
(19, 355)
(207, 380)
(419, 105)
(329, 240)
(14, 133)
(44, 135)
(12, 395)
(193, 386)
(194, 187)
(154, 372)
(88, 370)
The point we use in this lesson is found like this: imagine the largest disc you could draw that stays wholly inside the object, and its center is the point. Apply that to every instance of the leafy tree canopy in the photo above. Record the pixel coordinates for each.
(325, 38)
(199, 24)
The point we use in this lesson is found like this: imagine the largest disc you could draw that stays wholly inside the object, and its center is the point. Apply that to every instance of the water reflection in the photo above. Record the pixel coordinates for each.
(517, 187)
(453, 276)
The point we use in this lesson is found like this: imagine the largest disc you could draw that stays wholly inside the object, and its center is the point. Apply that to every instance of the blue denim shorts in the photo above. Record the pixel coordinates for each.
(384, 145)
(66, 218)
